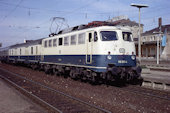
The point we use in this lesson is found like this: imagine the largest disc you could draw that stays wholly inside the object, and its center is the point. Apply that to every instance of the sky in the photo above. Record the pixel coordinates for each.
(34, 19)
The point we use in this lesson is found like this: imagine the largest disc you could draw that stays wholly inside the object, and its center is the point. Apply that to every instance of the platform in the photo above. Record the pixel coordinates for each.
(159, 76)
(156, 79)
(12, 101)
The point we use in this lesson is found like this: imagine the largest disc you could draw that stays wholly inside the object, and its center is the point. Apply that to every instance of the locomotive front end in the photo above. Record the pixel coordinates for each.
(121, 56)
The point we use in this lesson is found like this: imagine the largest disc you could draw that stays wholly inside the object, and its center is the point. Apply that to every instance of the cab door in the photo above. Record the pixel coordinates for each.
(89, 49)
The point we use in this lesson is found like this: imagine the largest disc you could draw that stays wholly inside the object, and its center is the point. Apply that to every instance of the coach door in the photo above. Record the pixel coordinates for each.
(41, 53)
(89, 47)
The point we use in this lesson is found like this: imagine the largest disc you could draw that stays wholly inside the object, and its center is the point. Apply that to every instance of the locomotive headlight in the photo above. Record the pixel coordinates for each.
(133, 57)
(109, 57)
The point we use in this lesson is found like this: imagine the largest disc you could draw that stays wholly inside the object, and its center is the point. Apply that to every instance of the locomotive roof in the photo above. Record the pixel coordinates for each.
(93, 24)
(4, 49)
(88, 28)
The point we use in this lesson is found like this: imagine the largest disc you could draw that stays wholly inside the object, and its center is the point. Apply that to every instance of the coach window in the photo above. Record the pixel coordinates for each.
(15, 52)
(73, 40)
(81, 38)
(66, 41)
(31, 50)
(95, 37)
(54, 42)
(20, 51)
(50, 43)
(37, 50)
(45, 43)
(60, 41)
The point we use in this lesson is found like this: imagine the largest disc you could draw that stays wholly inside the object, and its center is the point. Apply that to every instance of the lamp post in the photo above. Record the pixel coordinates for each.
(139, 39)
(158, 38)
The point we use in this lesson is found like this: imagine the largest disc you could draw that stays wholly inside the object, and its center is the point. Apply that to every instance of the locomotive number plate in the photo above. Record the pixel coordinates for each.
(122, 61)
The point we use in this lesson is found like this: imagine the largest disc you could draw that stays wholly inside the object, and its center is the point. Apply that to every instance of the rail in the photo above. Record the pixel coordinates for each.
(53, 90)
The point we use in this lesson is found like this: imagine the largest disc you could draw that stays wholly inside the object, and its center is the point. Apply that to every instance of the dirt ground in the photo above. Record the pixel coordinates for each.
(108, 97)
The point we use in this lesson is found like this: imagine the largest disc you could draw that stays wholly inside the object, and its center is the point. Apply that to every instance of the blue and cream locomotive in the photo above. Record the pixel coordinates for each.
(93, 53)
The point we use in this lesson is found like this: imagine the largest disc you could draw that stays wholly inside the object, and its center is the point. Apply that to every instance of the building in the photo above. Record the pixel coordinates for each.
(125, 21)
(149, 43)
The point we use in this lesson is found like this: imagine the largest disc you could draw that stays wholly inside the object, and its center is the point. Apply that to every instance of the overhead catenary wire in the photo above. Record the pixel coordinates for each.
(65, 13)
(33, 8)
(77, 9)
(9, 13)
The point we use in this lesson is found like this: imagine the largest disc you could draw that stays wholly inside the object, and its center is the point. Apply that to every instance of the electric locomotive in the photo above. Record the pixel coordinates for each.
(88, 53)
(106, 52)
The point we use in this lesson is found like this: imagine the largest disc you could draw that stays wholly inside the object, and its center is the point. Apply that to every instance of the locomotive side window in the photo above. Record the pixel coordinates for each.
(95, 37)
(127, 36)
(90, 37)
(73, 40)
(66, 41)
(81, 38)
(60, 41)
(50, 43)
(108, 35)
(45, 43)
(54, 42)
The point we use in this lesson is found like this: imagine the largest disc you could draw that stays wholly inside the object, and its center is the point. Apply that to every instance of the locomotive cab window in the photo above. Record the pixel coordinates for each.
(108, 35)
(127, 36)
(60, 41)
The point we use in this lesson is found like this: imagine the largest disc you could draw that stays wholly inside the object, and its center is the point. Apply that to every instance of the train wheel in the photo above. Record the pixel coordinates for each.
(47, 69)
(72, 73)
(93, 77)
(34, 66)
(54, 71)
(83, 76)
(109, 76)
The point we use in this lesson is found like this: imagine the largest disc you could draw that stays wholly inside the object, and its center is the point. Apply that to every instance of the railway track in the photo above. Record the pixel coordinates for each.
(165, 95)
(52, 99)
